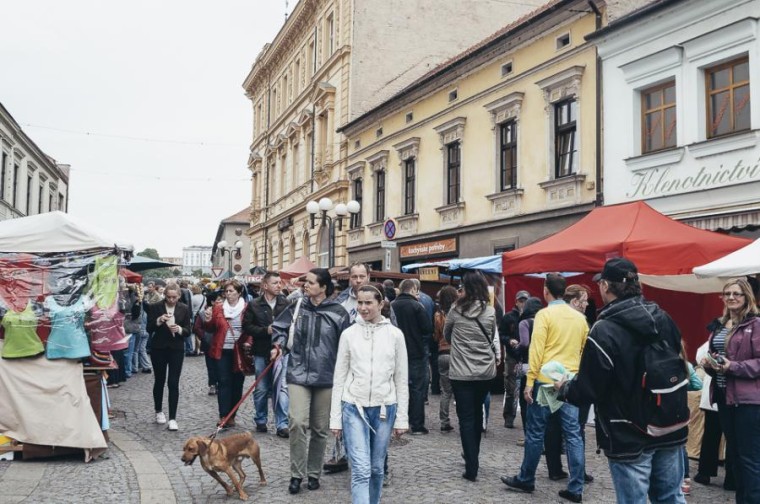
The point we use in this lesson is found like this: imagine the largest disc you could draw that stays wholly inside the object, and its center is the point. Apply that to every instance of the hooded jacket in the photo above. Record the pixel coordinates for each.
(525, 327)
(371, 370)
(608, 374)
(315, 343)
(743, 351)
(472, 354)
(257, 319)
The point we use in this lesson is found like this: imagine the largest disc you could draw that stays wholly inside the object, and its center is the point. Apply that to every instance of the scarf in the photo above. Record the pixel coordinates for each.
(230, 312)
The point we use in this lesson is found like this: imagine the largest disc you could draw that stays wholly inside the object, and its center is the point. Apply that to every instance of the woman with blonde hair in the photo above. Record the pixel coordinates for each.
(734, 363)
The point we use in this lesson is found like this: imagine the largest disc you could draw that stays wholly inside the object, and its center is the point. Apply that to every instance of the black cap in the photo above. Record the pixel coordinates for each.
(618, 269)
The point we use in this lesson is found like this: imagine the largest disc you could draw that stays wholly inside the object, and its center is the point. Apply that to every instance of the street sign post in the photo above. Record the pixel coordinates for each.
(387, 259)
(216, 271)
(387, 244)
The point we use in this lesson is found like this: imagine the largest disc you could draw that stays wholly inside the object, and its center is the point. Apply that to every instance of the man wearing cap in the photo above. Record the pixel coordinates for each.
(641, 466)
(510, 337)
(559, 334)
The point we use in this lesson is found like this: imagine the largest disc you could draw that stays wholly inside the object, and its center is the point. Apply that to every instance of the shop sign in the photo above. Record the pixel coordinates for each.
(429, 273)
(437, 247)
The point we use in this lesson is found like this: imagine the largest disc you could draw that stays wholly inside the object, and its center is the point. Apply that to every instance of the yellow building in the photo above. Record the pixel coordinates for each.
(489, 151)
(332, 61)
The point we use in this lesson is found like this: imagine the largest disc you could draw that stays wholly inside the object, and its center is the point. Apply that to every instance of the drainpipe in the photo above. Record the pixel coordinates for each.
(266, 161)
(313, 112)
(599, 179)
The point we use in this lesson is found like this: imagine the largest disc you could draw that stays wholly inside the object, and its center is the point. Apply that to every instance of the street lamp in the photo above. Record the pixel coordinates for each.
(341, 210)
(224, 248)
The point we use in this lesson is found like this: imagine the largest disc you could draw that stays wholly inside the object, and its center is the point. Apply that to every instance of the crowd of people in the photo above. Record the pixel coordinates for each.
(360, 364)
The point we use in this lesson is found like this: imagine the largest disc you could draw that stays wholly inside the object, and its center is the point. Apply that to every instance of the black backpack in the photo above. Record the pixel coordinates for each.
(661, 403)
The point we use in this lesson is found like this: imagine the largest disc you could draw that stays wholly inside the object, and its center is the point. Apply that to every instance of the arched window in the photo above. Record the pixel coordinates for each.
(256, 255)
(292, 249)
(306, 248)
(270, 257)
(281, 253)
(323, 254)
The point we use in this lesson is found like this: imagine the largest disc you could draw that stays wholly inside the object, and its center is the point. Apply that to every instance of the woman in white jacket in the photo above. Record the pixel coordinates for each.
(370, 398)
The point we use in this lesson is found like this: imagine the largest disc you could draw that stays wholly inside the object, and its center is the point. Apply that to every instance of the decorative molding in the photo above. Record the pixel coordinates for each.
(561, 85)
(292, 129)
(375, 231)
(356, 236)
(408, 149)
(655, 159)
(721, 145)
(304, 118)
(378, 161)
(506, 203)
(407, 225)
(564, 190)
(451, 131)
(505, 108)
(451, 215)
(638, 73)
(356, 170)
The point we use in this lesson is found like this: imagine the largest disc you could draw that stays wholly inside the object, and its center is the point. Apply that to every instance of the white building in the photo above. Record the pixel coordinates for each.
(682, 111)
(196, 257)
(31, 182)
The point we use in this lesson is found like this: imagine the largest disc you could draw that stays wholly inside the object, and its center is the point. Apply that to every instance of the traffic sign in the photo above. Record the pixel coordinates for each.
(387, 244)
(216, 271)
(389, 229)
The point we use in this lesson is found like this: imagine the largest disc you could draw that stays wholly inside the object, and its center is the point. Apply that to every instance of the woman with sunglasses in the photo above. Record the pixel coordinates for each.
(226, 322)
(734, 363)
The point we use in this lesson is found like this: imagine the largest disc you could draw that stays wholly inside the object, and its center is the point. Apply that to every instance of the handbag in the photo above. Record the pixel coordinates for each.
(242, 361)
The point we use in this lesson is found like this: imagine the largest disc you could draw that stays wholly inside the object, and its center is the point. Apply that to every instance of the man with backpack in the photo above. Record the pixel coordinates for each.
(632, 371)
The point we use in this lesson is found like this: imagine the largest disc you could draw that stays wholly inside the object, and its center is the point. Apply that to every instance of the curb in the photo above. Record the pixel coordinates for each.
(155, 487)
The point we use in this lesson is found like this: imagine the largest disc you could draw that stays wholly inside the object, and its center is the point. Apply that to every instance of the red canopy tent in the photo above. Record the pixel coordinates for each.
(297, 268)
(657, 244)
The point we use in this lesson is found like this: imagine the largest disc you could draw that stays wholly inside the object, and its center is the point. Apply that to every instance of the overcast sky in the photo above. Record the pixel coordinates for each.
(144, 99)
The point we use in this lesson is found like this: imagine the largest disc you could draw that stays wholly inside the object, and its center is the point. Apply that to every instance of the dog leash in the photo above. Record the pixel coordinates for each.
(221, 424)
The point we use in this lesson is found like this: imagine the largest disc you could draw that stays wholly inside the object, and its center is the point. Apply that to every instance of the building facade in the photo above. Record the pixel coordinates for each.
(332, 61)
(31, 182)
(231, 231)
(682, 111)
(490, 151)
(196, 257)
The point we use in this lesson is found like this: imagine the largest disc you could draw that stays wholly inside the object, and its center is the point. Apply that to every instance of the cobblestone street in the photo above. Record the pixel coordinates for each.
(143, 463)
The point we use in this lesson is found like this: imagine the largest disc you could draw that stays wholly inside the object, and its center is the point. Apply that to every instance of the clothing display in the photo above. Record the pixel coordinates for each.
(67, 338)
(21, 338)
(104, 285)
(106, 328)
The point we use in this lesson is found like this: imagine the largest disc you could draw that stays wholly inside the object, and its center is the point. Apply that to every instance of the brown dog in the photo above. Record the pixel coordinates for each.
(225, 454)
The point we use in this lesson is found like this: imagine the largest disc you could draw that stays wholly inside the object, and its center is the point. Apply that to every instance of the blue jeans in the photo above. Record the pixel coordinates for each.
(657, 473)
(741, 426)
(367, 449)
(229, 384)
(129, 356)
(142, 352)
(265, 388)
(537, 418)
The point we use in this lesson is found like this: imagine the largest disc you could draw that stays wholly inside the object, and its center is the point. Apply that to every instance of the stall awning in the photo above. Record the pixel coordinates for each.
(486, 264)
(749, 221)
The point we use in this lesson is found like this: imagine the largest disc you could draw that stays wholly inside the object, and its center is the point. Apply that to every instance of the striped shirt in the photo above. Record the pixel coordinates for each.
(719, 342)
(233, 333)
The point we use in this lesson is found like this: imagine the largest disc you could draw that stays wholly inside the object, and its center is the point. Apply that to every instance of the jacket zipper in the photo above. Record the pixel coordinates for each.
(371, 364)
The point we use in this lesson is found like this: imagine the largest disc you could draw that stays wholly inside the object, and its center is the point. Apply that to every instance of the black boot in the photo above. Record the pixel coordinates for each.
(295, 485)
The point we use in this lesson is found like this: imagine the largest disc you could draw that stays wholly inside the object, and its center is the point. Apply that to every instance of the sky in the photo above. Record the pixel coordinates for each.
(144, 99)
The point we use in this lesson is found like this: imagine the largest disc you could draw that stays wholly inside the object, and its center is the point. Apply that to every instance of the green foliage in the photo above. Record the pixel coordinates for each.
(150, 252)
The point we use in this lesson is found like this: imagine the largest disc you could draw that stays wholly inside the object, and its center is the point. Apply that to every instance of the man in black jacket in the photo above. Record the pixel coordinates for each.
(608, 376)
(257, 321)
(417, 327)
(508, 332)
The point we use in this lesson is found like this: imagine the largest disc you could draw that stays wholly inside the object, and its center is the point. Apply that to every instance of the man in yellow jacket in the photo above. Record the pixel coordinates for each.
(559, 334)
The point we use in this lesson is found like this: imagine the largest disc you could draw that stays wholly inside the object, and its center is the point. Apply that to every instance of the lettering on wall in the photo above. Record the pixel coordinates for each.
(663, 181)
(448, 245)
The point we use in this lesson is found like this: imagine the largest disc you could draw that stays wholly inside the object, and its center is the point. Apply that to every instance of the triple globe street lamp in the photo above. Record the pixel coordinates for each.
(224, 247)
(341, 210)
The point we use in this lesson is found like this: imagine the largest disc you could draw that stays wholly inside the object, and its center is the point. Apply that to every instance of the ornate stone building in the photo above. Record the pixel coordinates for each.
(332, 61)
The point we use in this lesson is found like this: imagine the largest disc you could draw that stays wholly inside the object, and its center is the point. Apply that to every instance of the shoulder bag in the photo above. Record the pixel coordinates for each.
(292, 329)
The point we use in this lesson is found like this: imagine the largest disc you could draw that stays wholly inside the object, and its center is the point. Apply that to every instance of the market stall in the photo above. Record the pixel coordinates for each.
(60, 307)
(742, 262)
(664, 250)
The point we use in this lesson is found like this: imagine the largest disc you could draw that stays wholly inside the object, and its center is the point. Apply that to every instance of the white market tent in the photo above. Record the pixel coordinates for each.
(53, 232)
(742, 262)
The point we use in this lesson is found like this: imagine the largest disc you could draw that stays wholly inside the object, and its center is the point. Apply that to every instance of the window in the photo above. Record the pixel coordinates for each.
(357, 144)
(658, 117)
(50, 201)
(40, 198)
(409, 117)
(2, 175)
(728, 97)
(409, 169)
(379, 196)
(356, 219)
(323, 251)
(60, 203)
(330, 35)
(312, 57)
(565, 153)
(297, 78)
(28, 194)
(563, 41)
(453, 165)
(506, 69)
(453, 95)
(285, 92)
(14, 194)
(508, 155)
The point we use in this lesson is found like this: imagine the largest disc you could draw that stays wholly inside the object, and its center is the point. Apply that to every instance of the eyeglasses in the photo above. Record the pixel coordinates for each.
(733, 294)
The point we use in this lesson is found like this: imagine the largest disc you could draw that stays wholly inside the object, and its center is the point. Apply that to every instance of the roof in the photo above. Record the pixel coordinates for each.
(474, 50)
(632, 17)
(657, 244)
(243, 216)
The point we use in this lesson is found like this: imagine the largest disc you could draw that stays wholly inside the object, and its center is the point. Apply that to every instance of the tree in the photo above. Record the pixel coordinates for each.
(197, 273)
(150, 252)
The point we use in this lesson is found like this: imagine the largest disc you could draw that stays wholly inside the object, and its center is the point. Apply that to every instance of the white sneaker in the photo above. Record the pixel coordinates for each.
(160, 418)
(173, 425)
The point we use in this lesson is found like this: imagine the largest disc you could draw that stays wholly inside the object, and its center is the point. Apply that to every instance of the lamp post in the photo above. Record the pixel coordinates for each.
(224, 248)
(341, 210)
